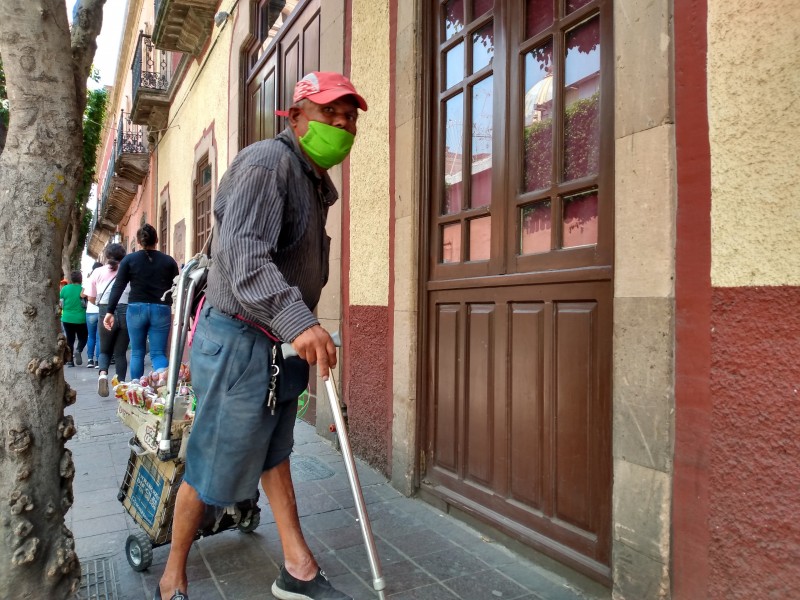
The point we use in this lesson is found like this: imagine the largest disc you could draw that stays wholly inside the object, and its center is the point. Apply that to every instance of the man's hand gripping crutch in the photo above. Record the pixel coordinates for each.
(316, 346)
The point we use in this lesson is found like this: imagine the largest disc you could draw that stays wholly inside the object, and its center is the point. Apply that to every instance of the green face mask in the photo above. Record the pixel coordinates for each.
(325, 144)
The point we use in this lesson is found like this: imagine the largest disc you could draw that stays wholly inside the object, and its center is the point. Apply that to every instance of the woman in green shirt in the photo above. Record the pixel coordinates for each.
(73, 316)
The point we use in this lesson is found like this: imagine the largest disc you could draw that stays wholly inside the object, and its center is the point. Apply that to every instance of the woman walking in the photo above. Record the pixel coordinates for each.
(92, 318)
(150, 274)
(73, 316)
(113, 341)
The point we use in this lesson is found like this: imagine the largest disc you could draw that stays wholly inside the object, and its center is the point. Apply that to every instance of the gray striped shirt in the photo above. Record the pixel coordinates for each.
(269, 249)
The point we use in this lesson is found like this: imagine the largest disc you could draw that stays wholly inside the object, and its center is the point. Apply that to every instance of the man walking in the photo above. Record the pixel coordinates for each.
(270, 262)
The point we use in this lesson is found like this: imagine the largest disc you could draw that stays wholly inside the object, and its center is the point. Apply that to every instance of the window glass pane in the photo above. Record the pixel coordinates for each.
(480, 238)
(535, 228)
(482, 48)
(538, 132)
(453, 155)
(454, 65)
(538, 16)
(206, 179)
(573, 5)
(580, 220)
(451, 243)
(582, 101)
(479, 7)
(482, 104)
(453, 18)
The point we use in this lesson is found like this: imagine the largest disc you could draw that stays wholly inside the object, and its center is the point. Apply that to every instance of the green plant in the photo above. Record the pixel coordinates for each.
(93, 118)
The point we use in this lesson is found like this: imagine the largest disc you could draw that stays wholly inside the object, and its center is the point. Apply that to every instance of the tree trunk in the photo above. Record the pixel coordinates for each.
(40, 170)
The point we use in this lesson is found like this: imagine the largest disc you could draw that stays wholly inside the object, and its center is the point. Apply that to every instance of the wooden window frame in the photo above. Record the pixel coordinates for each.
(508, 70)
(198, 190)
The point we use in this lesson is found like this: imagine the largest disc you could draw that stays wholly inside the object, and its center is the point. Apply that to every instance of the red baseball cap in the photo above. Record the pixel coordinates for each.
(322, 87)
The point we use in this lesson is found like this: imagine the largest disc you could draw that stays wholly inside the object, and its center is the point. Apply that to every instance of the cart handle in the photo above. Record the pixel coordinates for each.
(288, 351)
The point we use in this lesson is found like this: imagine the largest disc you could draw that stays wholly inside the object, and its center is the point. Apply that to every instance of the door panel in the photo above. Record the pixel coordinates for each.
(526, 402)
(576, 343)
(445, 355)
(479, 400)
(532, 444)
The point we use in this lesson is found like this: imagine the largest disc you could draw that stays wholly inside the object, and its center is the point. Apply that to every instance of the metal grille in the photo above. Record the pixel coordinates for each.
(98, 580)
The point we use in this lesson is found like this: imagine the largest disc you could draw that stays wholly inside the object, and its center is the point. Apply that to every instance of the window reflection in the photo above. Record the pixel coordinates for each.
(582, 101)
(479, 7)
(454, 65)
(451, 243)
(482, 48)
(535, 226)
(482, 112)
(453, 156)
(573, 5)
(453, 18)
(538, 16)
(538, 133)
(480, 238)
(579, 226)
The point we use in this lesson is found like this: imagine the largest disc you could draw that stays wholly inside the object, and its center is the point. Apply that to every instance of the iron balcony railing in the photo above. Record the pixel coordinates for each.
(150, 66)
(101, 207)
(130, 136)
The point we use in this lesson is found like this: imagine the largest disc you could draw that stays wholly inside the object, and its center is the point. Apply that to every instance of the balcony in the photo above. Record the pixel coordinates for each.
(151, 79)
(102, 228)
(132, 156)
(183, 25)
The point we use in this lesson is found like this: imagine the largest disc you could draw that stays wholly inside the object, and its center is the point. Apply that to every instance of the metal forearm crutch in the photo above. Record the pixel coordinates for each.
(378, 582)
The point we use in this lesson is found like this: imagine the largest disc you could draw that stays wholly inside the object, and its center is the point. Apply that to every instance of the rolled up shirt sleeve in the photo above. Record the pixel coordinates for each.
(247, 239)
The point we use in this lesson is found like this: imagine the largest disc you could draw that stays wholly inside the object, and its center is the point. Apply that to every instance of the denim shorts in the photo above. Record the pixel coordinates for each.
(235, 437)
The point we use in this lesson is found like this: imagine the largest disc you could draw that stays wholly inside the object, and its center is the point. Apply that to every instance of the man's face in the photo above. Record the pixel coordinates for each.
(341, 113)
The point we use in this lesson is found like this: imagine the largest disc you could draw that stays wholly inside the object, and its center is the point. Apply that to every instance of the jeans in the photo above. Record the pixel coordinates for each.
(93, 343)
(148, 322)
(114, 342)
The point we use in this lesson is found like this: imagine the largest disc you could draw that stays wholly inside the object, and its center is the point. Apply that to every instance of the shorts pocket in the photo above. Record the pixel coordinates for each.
(208, 347)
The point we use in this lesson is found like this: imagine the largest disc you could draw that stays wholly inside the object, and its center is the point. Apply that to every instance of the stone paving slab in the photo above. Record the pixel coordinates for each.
(425, 554)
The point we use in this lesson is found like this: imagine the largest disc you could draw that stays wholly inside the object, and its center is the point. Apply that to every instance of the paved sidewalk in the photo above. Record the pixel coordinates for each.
(425, 554)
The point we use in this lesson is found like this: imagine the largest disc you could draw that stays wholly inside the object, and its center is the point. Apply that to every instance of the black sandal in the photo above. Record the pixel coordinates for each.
(178, 595)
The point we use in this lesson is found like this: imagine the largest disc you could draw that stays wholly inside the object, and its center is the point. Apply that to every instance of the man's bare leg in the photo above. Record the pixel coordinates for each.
(297, 556)
(188, 514)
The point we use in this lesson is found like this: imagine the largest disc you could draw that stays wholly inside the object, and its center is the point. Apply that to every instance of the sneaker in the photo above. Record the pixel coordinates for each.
(78, 359)
(102, 386)
(287, 587)
(90, 364)
(97, 365)
(69, 363)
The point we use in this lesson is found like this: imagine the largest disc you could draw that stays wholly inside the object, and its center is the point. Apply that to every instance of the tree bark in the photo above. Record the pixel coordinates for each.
(40, 170)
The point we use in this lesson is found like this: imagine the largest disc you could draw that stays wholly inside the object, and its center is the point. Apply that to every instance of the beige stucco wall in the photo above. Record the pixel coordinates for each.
(754, 117)
(369, 159)
(200, 103)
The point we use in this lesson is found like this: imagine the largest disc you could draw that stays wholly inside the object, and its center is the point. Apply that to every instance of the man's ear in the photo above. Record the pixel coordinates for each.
(294, 115)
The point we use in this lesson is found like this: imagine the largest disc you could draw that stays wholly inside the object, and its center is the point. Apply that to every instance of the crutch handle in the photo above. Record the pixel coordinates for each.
(287, 350)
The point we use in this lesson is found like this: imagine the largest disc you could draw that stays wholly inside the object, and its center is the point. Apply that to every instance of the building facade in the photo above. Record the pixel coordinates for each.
(564, 259)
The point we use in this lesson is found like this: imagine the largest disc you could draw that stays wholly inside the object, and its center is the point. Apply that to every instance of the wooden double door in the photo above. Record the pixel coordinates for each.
(518, 289)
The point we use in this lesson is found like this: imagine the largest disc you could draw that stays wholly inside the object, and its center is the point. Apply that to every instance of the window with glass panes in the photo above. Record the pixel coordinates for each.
(202, 204)
(163, 228)
(523, 136)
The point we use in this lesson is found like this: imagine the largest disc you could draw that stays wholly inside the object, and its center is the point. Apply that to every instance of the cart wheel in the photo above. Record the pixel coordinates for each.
(248, 525)
(139, 551)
